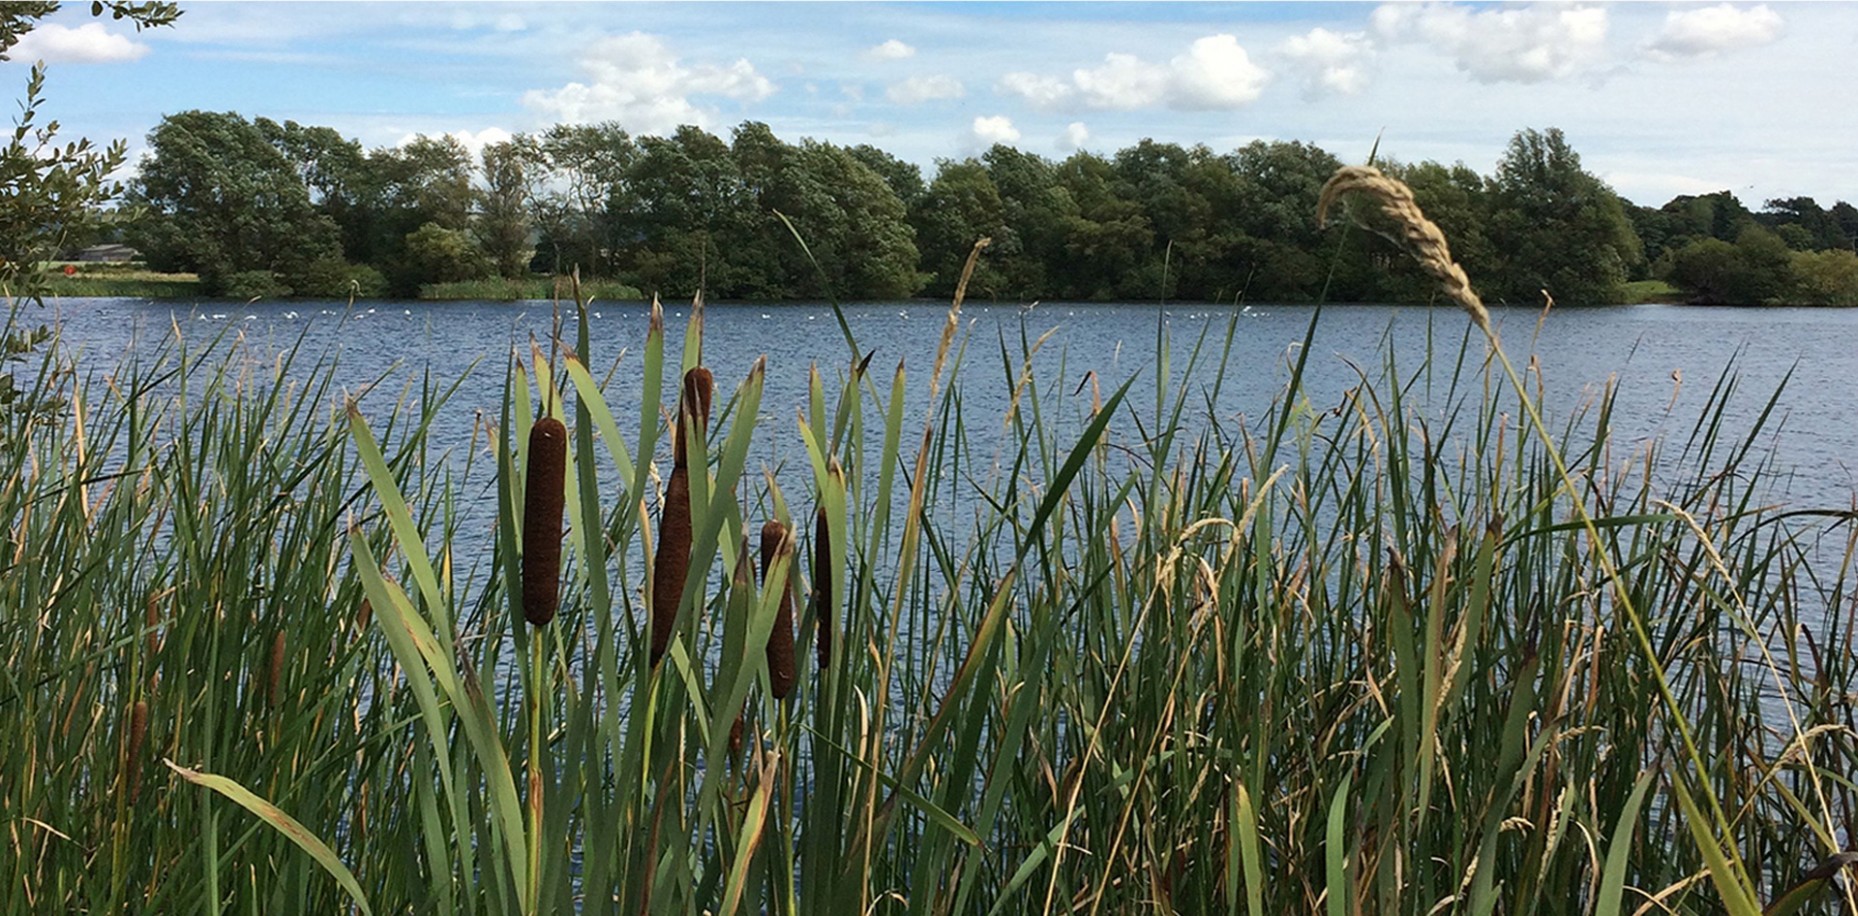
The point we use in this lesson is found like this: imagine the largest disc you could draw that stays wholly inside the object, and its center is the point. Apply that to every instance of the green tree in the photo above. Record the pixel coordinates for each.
(1278, 243)
(684, 195)
(579, 194)
(853, 223)
(503, 205)
(1562, 230)
(960, 207)
(1110, 236)
(1756, 269)
(436, 254)
(221, 199)
(1828, 277)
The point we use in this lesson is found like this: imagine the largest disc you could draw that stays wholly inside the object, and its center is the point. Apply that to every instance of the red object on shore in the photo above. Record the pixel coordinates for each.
(70, 270)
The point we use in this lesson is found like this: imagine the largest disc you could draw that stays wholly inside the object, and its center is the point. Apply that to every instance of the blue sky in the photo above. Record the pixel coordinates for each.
(1659, 98)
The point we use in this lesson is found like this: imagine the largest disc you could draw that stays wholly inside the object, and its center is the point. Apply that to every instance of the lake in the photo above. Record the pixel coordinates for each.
(1663, 359)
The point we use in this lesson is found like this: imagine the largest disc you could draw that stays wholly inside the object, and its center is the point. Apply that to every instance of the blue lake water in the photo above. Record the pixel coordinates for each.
(1644, 349)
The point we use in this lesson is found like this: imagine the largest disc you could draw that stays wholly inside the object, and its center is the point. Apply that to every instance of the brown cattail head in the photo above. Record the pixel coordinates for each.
(673, 561)
(822, 584)
(693, 407)
(274, 687)
(364, 615)
(132, 751)
(152, 616)
(542, 506)
(776, 543)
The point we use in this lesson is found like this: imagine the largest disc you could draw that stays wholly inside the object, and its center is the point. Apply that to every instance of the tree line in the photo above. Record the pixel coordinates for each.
(257, 207)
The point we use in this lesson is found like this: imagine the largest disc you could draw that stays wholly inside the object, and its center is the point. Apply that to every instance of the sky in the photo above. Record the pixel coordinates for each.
(1659, 99)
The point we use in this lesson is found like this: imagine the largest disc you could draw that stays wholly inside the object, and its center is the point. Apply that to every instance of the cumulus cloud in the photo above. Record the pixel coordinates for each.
(919, 89)
(890, 50)
(1714, 30)
(635, 80)
(1328, 62)
(1075, 136)
(988, 131)
(90, 43)
(1511, 44)
(1214, 74)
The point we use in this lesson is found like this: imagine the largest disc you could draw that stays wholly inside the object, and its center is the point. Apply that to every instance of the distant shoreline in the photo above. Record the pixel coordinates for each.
(117, 281)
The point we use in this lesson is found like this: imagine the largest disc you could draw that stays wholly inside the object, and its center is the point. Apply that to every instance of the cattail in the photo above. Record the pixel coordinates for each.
(274, 686)
(152, 615)
(674, 526)
(774, 543)
(364, 615)
(822, 584)
(699, 386)
(542, 506)
(132, 753)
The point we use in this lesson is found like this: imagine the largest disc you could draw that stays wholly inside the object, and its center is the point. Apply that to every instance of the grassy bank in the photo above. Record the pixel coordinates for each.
(1356, 657)
(545, 288)
(1639, 292)
(125, 280)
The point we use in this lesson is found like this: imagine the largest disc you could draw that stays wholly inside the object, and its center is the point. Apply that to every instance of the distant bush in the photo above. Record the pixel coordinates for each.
(252, 284)
(1825, 277)
(498, 289)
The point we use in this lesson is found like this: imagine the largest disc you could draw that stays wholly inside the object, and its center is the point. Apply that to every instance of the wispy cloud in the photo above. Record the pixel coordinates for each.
(1714, 30)
(1215, 73)
(636, 80)
(919, 89)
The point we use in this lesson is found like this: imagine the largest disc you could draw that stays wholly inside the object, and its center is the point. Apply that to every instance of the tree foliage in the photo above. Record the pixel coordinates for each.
(752, 216)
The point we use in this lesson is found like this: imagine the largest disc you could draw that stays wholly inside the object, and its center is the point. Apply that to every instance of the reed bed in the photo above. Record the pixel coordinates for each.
(1370, 656)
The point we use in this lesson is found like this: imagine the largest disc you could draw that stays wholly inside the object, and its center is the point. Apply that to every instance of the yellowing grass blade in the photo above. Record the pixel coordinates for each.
(282, 823)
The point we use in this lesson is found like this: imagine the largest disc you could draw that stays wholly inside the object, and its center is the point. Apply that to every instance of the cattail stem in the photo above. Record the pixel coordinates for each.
(542, 510)
(672, 563)
(274, 686)
(822, 585)
(132, 752)
(780, 649)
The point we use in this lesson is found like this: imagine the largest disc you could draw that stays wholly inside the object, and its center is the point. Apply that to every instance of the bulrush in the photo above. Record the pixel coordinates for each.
(822, 584)
(674, 526)
(775, 543)
(542, 506)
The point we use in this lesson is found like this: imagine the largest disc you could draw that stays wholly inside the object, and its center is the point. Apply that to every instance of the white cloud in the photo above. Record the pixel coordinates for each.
(1215, 73)
(635, 80)
(1526, 44)
(90, 43)
(919, 89)
(1075, 136)
(988, 131)
(1714, 30)
(1329, 62)
(890, 50)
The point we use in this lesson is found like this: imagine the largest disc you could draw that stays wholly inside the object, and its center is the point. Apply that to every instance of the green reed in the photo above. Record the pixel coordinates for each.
(1346, 657)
